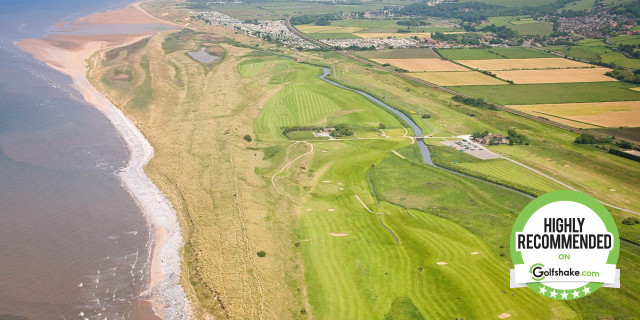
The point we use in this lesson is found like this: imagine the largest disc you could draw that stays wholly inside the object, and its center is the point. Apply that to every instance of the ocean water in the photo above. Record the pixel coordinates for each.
(73, 243)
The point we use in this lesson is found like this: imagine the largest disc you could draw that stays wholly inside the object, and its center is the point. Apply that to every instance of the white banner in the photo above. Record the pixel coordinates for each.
(607, 274)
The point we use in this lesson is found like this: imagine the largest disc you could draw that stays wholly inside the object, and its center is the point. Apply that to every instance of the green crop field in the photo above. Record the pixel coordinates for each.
(410, 53)
(635, 40)
(533, 28)
(596, 50)
(525, 25)
(493, 53)
(553, 93)
(579, 5)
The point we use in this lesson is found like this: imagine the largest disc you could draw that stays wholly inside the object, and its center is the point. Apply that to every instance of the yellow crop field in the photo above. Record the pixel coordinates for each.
(422, 64)
(519, 64)
(556, 75)
(606, 114)
(314, 29)
(458, 78)
(369, 35)
(328, 29)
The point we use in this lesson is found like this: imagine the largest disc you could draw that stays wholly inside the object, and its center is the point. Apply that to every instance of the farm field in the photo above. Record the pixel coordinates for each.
(525, 25)
(422, 64)
(408, 53)
(625, 40)
(458, 78)
(371, 35)
(596, 50)
(631, 134)
(325, 36)
(553, 92)
(533, 28)
(493, 53)
(556, 75)
(327, 29)
(605, 114)
(519, 64)
(372, 28)
(579, 5)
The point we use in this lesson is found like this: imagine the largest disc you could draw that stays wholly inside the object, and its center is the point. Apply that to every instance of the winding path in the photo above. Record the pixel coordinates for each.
(273, 177)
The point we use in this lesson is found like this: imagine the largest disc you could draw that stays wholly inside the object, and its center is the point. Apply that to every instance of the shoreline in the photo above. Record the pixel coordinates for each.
(67, 54)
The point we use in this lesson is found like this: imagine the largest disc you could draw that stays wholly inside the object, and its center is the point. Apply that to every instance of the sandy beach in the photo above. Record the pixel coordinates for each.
(67, 53)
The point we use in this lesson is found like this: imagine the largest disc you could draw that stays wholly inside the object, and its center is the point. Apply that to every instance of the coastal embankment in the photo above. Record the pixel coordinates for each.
(67, 50)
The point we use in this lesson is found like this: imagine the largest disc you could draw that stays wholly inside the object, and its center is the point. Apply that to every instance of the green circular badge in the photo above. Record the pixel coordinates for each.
(565, 245)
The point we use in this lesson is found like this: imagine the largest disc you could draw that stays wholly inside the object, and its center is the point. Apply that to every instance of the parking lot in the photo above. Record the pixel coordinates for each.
(475, 149)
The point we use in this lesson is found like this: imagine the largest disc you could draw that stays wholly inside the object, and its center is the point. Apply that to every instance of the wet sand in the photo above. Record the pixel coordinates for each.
(67, 53)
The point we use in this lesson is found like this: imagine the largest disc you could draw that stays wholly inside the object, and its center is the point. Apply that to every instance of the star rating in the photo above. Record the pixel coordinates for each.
(586, 291)
(553, 293)
(543, 290)
(564, 295)
(576, 293)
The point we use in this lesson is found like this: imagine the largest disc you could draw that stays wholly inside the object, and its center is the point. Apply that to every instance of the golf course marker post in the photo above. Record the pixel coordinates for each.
(565, 245)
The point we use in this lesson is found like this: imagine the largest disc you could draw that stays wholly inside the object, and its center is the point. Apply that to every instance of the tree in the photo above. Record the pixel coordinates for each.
(247, 137)
(261, 254)
(381, 126)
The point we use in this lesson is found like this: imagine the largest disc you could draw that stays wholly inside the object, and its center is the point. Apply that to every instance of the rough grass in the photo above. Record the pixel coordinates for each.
(513, 173)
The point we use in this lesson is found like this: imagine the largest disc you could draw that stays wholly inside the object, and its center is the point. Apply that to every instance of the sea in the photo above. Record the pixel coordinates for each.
(73, 243)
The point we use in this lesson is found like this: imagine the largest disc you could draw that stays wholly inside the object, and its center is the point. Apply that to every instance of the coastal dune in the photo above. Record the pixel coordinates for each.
(67, 53)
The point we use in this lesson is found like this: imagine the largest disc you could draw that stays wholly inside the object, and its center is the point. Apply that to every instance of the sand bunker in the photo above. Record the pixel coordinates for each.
(614, 190)
(308, 209)
(326, 181)
(339, 234)
(440, 263)
(504, 315)
(332, 210)
(475, 252)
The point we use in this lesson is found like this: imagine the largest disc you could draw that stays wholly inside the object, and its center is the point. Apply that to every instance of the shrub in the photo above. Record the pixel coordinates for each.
(247, 137)
(261, 254)
(624, 144)
(426, 116)
(381, 126)
(517, 138)
(631, 221)
(586, 138)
